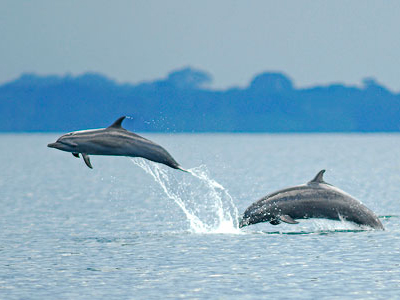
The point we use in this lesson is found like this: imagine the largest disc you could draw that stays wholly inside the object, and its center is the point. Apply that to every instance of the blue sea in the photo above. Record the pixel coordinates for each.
(133, 229)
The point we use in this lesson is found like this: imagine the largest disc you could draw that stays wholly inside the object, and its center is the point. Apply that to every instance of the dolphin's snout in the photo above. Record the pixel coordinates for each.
(52, 145)
(243, 222)
(61, 145)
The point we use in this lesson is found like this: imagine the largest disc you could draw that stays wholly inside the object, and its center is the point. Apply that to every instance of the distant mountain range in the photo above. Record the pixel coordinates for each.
(183, 103)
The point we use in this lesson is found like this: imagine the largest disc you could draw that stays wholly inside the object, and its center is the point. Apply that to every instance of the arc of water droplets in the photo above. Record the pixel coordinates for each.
(215, 187)
(227, 217)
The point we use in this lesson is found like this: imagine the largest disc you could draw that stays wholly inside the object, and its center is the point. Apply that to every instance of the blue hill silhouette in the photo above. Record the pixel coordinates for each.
(183, 103)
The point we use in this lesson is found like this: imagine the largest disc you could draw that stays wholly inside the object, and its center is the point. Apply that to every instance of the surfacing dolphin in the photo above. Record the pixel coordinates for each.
(316, 199)
(113, 140)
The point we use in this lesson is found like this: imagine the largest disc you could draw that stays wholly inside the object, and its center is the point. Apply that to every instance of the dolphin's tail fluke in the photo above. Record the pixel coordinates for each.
(182, 169)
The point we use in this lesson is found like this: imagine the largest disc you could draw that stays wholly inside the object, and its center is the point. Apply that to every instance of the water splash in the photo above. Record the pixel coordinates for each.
(227, 210)
(208, 206)
(310, 226)
(341, 225)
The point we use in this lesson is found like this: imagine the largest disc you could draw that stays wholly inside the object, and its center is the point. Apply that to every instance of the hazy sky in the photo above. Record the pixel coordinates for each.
(131, 41)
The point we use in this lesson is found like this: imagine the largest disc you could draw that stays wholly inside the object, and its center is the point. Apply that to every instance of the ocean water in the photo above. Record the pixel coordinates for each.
(132, 229)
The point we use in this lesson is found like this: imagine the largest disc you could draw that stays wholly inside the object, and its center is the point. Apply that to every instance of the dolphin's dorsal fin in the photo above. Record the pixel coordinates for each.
(319, 178)
(117, 123)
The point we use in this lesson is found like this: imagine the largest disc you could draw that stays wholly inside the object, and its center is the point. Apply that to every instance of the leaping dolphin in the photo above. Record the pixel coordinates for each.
(113, 140)
(316, 199)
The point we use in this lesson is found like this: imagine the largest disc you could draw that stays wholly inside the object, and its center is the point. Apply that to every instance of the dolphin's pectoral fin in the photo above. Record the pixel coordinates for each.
(319, 178)
(87, 160)
(288, 219)
(275, 222)
(75, 154)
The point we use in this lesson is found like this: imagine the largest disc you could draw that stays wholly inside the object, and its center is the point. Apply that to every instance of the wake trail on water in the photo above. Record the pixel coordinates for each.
(207, 205)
